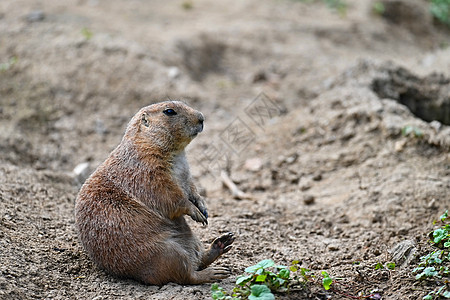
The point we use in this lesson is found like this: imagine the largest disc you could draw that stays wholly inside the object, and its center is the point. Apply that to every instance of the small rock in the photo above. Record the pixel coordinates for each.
(253, 164)
(292, 159)
(309, 199)
(404, 252)
(173, 73)
(348, 134)
(317, 176)
(436, 125)
(304, 184)
(399, 145)
(82, 172)
(432, 203)
(35, 16)
(333, 247)
(259, 76)
(429, 60)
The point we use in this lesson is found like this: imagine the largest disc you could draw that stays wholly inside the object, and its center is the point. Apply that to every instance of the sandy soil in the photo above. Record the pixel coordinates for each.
(304, 109)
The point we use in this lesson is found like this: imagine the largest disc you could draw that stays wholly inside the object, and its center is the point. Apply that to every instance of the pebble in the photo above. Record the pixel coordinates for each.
(305, 184)
(292, 159)
(436, 125)
(82, 172)
(333, 247)
(35, 16)
(173, 73)
(317, 177)
(253, 164)
(308, 199)
(399, 145)
(404, 252)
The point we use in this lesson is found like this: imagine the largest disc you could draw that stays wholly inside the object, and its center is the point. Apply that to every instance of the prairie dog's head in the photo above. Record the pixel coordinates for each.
(169, 125)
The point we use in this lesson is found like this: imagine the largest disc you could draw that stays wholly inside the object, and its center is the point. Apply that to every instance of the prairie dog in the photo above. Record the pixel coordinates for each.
(130, 212)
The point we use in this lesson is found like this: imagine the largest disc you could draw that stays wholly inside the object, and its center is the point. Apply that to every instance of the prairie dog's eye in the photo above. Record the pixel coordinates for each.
(169, 112)
(144, 120)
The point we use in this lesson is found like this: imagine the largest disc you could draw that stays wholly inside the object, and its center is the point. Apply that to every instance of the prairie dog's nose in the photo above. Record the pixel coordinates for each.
(201, 118)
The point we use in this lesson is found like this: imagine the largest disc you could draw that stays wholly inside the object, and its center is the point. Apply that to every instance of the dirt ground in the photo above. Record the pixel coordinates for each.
(305, 109)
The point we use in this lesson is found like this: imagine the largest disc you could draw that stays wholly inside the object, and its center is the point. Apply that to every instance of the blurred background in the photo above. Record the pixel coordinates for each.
(331, 118)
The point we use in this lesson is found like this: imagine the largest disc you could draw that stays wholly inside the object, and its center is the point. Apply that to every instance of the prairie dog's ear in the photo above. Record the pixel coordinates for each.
(145, 120)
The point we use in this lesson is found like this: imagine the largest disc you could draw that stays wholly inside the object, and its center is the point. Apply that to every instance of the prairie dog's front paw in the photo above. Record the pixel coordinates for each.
(198, 215)
(203, 210)
(199, 202)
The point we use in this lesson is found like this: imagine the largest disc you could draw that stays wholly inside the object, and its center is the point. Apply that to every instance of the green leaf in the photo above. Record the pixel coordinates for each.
(430, 271)
(252, 269)
(261, 265)
(378, 8)
(7, 65)
(267, 263)
(218, 295)
(280, 282)
(438, 235)
(428, 297)
(418, 133)
(284, 273)
(390, 265)
(446, 294)
(261, 292)
(86, 33)
(326, 281)
(261, 278)
(406, 130)
(440, 9)
(260, 271)
(243, 279)
(444, 216)
(378, 266)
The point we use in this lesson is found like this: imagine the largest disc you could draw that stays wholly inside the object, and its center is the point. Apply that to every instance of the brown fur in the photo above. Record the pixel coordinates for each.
(130, 212)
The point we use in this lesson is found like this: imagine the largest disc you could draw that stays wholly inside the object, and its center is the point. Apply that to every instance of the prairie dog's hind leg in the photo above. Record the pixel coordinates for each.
(218, 247)
(210, 274)
(175, 264)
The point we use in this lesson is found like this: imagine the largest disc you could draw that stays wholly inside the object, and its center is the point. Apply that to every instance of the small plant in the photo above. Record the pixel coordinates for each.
(187, 5)
(434, 267)
(412, 131)
(275, 277)
(87, 33)
(262, 280)
(327, 281)
(440, 9)
(218, 293)
(378, 8)
(8, 65)
(337, 5)
(388, 265)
